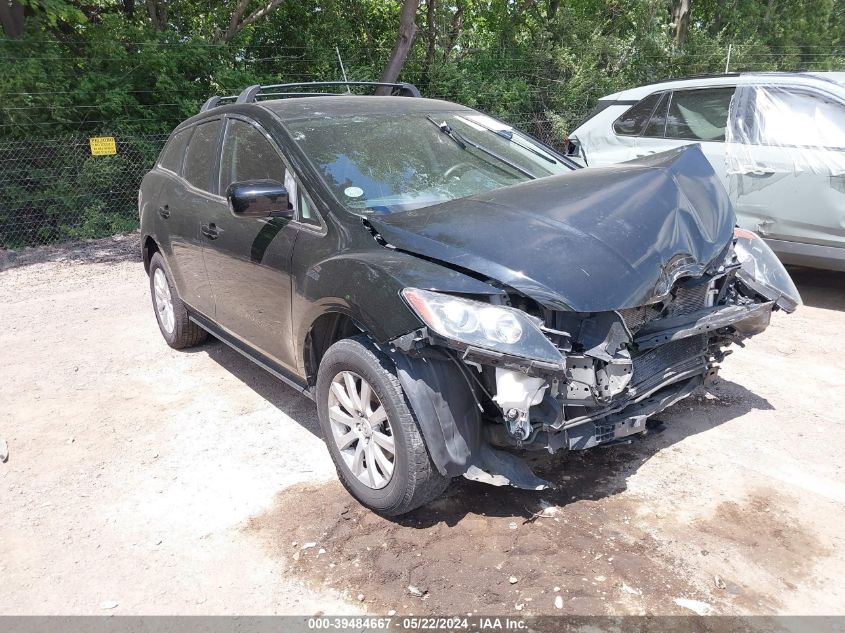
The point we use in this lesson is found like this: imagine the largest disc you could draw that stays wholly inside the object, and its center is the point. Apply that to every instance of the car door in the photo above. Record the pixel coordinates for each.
(788, 164)
(248, 259)
(694, 115)
(189, 156)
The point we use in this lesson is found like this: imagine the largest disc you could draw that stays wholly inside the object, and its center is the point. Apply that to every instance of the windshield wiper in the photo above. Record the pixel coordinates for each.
(462, 142)
(510, 136)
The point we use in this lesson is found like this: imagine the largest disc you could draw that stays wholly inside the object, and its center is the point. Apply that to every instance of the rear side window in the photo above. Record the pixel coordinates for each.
(657, 124)
(173, 153)
(201, 157)
(699, 115)
(248, 155)
(634, 120)
(799, 118)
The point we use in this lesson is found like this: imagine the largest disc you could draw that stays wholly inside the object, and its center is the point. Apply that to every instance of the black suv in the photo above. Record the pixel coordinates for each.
(448, 289)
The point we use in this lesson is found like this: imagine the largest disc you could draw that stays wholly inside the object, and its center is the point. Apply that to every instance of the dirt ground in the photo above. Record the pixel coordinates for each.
(141, 480)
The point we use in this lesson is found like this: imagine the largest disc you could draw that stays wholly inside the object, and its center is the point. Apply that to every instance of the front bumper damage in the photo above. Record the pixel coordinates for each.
(478, 408)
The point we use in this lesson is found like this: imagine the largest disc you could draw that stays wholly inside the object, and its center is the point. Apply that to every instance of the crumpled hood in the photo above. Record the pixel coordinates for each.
(592, 240)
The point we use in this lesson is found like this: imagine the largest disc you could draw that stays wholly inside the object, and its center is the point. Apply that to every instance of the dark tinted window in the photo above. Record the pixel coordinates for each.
(632, 122)
(657, 123)
(248, 155)
(699, 115)
(201, 158)
(174, 151)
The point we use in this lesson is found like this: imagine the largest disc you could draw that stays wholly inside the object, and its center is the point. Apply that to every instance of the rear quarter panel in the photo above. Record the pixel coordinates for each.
(599, 144)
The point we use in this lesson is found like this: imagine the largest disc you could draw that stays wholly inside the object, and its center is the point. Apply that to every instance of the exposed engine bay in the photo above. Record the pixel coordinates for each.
(616, 369)
(547, 365)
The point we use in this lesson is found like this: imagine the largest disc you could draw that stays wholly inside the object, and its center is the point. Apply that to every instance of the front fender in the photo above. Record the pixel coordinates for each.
(440, 396)
(366, 286)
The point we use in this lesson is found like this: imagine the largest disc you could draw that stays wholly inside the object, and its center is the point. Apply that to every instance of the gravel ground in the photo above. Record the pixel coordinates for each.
(141, 480)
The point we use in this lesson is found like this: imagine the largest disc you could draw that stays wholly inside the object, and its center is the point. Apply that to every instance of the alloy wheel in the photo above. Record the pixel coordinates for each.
(163, 301)
(361, 430)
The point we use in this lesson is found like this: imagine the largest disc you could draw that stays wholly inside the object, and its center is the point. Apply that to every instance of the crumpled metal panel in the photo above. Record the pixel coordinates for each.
(594, 240)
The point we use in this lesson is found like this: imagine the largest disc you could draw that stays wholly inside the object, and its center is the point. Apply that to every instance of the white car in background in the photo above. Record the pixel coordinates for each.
(776, 141)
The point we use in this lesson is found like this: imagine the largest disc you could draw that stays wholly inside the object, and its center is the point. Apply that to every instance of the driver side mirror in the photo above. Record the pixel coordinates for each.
(259, 199)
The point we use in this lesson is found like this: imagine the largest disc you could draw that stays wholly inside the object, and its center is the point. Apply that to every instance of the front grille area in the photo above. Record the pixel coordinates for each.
(689, 299)
(637, 317)
(654, 362)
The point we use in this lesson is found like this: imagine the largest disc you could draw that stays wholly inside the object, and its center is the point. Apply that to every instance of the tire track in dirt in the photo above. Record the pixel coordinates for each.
(463, 551)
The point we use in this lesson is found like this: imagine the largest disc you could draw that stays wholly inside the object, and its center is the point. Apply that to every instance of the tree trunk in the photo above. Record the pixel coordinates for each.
(404, 41)
(454, 31)
(157, 10)
(679, 12)
(237, 24)
(129, 8)
(12, 19)
(432, 36)
(770, 8)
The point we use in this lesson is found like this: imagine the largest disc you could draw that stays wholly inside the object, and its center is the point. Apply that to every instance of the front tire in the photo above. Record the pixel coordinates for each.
(371, 432)
(172, 316)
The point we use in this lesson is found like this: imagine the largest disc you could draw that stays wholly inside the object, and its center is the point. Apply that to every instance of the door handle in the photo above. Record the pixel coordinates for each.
(210, 231)
(164, 211)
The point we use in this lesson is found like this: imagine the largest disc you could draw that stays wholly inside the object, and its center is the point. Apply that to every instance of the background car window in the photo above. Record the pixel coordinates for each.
(799, 118)
(633, 121)
(248, 155)
(657, 124)
(201, 157)
(699, 115)
(174, 152)
(306, 212)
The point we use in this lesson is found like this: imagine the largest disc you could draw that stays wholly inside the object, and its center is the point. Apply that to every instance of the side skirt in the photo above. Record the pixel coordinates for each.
(252, 354)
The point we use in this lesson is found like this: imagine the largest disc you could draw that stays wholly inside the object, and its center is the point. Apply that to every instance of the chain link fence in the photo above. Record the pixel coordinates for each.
(55, 189)
(52, 190)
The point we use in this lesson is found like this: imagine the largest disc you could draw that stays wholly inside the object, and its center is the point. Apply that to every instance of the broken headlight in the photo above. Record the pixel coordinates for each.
(762, 271)
(500, 328)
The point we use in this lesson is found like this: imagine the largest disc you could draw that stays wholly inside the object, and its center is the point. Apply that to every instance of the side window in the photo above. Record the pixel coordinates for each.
(248, 155)
(657, 124)
(699, 115)
(307, 213)
(789, 117)
(201, 157)
(634, 119)
(173, 153)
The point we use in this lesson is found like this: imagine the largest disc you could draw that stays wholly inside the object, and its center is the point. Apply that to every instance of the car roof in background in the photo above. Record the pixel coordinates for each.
(730, 79)
(342, 106)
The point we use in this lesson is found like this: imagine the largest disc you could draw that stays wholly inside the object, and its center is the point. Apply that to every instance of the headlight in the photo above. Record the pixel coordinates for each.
(763, 272)
(479, 324)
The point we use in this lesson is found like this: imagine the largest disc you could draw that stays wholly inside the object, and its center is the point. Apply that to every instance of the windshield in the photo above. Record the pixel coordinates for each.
(390, 163)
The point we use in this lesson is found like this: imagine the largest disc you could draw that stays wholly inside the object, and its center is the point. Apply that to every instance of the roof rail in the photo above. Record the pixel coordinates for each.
(280, 91)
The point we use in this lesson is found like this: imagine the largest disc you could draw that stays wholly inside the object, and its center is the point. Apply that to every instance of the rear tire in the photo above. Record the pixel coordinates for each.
(413, 479)
(172, 316)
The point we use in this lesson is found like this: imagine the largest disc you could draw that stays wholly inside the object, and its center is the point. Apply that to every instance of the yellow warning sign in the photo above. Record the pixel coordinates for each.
(103, 146)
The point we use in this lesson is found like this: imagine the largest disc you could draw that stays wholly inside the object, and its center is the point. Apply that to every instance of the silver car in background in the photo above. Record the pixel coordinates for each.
(775, 140)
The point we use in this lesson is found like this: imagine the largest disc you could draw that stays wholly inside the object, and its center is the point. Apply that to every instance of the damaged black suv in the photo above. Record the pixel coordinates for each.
(449, 290)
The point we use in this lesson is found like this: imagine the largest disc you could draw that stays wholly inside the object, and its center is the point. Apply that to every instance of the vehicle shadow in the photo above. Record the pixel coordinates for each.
(593, 474)
(578, 475)
(282, 396)
(820, 288)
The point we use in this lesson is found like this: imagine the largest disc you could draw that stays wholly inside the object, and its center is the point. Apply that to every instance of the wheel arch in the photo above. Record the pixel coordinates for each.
(325, 330)
(149, 247)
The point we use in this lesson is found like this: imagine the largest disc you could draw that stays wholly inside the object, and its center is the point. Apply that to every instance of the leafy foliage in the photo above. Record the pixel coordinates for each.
(138, 68)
